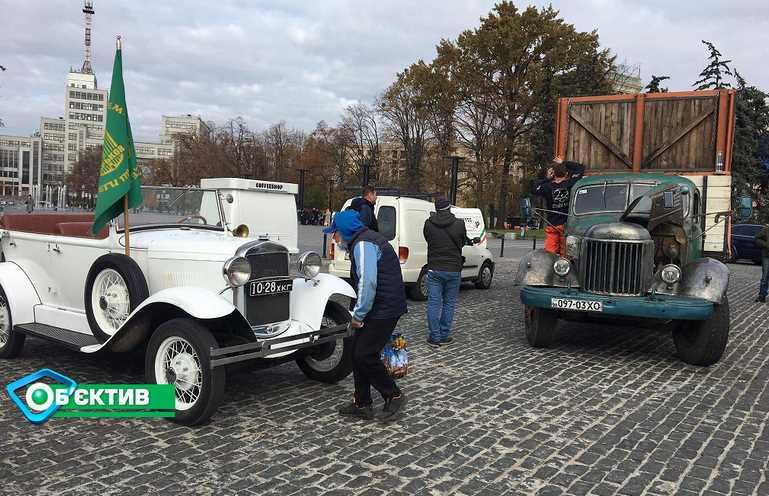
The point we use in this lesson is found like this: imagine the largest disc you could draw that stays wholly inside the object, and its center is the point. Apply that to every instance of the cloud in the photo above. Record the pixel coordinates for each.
(303, 62)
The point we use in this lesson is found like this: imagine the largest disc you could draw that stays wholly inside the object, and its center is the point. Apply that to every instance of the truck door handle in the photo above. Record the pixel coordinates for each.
(56, 249)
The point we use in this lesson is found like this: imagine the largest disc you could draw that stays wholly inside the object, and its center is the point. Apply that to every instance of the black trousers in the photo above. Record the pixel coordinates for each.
(367, 368)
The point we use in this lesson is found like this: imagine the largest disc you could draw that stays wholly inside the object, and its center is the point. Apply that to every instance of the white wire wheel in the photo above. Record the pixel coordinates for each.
(110, 301)
(177, 363)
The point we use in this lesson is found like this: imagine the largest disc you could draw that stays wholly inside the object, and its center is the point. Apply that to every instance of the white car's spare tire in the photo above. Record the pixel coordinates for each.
(115, 286)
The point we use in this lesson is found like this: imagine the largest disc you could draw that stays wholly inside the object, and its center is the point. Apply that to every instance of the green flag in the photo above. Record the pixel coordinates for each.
(119, 176)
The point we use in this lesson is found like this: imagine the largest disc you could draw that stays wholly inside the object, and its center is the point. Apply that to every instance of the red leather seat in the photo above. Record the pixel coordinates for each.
(81, 230)
(49, 223)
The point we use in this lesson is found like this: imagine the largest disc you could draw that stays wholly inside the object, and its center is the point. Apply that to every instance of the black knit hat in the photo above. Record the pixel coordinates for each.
(442, 203)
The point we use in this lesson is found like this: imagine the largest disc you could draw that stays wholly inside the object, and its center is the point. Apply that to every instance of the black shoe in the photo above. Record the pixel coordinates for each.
(365, 412)
(761, 299)
(447, 340)
(433, 343)
(392, 407)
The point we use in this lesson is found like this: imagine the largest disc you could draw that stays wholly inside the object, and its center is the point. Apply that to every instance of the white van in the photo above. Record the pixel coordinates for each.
(267, 209)
(401, 220)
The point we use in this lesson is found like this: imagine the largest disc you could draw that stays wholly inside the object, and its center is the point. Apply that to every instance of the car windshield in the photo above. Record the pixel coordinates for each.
(637, 190)
(601, 198)
(169, 206)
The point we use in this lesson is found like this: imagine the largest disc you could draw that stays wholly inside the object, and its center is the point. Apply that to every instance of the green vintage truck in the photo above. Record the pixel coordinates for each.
(633, 252)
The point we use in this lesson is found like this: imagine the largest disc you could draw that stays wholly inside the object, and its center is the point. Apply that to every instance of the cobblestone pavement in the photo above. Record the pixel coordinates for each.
(607, 411)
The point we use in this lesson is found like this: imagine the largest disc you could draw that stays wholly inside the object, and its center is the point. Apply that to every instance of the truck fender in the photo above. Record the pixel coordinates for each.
(536, 269)
(706, 278)
(309, 297)
(198, 303)
(20, 292)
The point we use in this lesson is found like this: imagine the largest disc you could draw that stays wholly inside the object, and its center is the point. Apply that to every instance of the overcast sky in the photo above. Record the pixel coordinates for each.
(303, 61)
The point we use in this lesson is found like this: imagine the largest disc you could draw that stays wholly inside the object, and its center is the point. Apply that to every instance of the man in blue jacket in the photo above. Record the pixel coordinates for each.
(376, 276)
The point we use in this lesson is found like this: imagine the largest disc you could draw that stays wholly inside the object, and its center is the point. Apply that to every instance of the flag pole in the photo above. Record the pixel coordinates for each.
(125, 224)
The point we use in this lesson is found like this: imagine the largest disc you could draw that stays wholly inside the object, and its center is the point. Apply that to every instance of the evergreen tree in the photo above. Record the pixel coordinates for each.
(712, 76)
(654, 84)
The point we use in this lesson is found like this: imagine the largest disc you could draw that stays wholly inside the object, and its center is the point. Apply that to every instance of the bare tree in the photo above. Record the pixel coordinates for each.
(360, 127)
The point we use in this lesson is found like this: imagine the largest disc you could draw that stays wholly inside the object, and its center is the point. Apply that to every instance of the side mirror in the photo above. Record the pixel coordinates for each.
(525, 208)
(744, 208)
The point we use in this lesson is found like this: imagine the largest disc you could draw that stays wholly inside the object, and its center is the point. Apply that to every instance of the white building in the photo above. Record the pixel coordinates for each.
(20, 165)
(85, 114)
(171, 125)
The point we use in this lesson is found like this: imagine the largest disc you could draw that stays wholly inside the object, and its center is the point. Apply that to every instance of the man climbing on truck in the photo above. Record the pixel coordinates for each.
(555, 189)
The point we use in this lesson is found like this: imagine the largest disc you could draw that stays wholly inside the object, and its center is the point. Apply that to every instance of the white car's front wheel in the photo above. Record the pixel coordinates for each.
(330, 362)
(178, 354)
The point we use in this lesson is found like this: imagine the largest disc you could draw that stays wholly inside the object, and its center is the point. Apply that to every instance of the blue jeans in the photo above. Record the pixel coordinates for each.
(442, 293)
(764, 288)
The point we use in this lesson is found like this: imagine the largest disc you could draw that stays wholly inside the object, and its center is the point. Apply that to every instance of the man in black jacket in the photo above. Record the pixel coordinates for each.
(364, 205)
(445, 236)
(556, 190)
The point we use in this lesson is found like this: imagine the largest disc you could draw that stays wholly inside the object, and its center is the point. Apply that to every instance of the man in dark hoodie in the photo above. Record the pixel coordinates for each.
(364, 205)
(445, 236)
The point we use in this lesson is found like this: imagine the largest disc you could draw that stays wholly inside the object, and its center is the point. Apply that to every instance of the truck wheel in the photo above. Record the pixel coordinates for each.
(177, 353)
(418, 290)
(485, 276)
(115, 286)
(540, 326)
(330, 362)
(11, 342)
(702, 342)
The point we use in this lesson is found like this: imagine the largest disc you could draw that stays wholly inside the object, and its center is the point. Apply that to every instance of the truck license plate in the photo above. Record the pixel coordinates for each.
(265, 288)
(578, 305)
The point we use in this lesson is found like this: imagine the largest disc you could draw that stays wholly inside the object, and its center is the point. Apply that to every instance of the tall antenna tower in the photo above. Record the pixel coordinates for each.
(87, 13)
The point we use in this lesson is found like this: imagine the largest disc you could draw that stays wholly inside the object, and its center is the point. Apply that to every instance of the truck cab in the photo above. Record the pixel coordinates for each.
(633, 249)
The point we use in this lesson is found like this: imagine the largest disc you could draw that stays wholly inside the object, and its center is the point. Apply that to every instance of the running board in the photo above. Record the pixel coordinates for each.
(69, 339)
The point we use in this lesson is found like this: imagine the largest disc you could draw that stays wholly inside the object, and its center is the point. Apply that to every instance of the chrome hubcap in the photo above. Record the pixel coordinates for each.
(5, 321)
(177, 363)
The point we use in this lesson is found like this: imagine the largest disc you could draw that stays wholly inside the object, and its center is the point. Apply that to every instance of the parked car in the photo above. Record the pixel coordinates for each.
(744, 242)
(633, 250)
(401, 220)
(196, 293)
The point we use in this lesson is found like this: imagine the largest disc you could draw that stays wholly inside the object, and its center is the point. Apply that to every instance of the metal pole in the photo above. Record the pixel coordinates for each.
(454, 179)
(502, 248)
(301, 189)
(365, 172)
(325, 243)
(534, 244)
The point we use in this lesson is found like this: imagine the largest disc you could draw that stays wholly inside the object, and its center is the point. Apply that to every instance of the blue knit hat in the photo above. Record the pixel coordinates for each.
(348, 223)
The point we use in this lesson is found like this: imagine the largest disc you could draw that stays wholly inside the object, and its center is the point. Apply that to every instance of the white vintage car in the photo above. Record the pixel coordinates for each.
(196, 292)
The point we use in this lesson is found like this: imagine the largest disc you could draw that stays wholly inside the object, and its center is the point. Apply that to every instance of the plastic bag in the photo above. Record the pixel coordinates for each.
(395, 357)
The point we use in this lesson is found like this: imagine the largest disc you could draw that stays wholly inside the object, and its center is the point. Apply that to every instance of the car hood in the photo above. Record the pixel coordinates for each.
(186, 244)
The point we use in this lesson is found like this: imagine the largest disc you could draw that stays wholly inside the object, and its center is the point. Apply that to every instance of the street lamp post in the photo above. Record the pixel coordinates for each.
(301, 189)
(454, 178)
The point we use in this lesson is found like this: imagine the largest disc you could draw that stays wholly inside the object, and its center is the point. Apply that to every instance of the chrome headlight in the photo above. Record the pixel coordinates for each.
(671, 274)
(561, 267)
(309, 264)
(237, 271)
(572, 247)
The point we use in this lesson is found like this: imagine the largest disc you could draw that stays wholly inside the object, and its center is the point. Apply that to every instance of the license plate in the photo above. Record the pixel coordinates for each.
(265, 288)
(578, 305)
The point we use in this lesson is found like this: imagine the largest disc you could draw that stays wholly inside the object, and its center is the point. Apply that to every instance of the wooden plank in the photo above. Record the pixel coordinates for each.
(683, 132)
(601, 138)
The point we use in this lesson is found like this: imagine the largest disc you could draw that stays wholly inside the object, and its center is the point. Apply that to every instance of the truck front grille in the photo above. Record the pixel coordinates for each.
(615, 267)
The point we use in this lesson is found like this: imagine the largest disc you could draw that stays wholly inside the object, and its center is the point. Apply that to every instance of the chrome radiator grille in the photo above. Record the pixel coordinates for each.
(615, 267)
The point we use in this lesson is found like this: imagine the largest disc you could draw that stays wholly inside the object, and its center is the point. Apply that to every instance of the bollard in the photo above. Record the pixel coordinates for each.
(325, 244)
(534, 244)
(502, 248)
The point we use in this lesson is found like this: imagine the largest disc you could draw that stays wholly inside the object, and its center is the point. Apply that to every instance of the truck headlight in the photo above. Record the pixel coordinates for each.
(671, 274)
(309, 264)
(237, 271)
(572, 247)
(561, 267)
